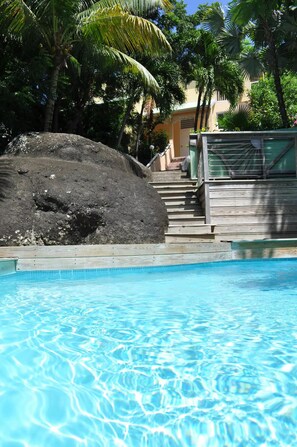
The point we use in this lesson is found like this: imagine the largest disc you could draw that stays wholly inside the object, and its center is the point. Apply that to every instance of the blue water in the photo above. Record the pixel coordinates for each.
(200, 356)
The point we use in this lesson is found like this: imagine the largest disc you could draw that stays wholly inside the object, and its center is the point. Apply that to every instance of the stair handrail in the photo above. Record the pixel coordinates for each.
(158, 155)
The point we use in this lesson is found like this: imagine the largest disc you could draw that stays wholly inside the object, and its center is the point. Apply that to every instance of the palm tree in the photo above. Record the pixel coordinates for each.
(214, 70)
(265, 20)
(111, 26)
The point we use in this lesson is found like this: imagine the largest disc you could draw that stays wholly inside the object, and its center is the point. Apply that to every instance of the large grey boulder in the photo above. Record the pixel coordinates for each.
(65, 189)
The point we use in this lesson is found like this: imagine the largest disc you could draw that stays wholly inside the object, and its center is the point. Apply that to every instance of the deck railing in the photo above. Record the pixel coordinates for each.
(242, 155)
(235, 155)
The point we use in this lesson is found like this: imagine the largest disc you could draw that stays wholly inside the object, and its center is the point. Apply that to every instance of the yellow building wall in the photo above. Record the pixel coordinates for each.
(178, 137)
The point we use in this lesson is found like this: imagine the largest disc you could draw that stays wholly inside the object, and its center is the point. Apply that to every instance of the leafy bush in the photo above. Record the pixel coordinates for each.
(235, 120)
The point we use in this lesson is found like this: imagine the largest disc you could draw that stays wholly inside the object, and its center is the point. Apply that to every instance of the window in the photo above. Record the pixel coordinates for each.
(187, 123)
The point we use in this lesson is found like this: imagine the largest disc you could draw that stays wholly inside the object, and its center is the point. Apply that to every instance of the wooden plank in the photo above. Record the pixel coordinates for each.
(257, 201)
(76, 251)
(191, 238)
(193, 229)
(131, 261)
(253, 210)
(270, 219)
(264, 227)
(251, 184)
(251, 237)
(264, 194)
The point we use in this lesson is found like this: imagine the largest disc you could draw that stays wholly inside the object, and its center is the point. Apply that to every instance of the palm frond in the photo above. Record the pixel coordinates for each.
(14, 14)
(125, 32)
(138, 7)
(231, 38)
(75, 64)
(251, 64)
(131, 65)
(214, 19)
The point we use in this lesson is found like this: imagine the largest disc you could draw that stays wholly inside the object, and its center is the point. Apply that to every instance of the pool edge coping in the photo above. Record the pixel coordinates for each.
(87, 257)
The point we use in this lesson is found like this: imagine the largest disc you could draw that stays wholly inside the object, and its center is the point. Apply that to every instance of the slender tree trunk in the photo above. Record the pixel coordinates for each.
(52, 97)
(276, 76)
(139, 129)
(210, 92)
(280, 97)
(198, 109)
(125, 119)
(203, 109)
(84, 95)
(73, 125)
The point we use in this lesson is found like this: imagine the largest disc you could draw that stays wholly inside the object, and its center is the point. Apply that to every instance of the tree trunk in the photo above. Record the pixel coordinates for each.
(74, 126)
(52, 97)
(276, 76)
(203, 109)
(124, 122)
(139, 129)
(198, 109)
(209, 95)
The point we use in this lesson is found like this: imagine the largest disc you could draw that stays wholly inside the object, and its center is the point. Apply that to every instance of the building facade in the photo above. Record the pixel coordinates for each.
(181, 122)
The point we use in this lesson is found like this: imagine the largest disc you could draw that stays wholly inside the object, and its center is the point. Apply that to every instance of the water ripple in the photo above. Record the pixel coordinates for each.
(202, 357)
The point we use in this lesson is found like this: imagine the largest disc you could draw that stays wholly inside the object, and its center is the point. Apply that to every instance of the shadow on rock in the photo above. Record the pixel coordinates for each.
(5, 178)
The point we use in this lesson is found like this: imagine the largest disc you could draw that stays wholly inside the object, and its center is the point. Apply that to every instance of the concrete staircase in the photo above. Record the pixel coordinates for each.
(186, 218)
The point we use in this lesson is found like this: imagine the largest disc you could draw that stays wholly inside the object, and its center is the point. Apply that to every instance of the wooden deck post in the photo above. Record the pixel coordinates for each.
(206, 180)
(296, 154)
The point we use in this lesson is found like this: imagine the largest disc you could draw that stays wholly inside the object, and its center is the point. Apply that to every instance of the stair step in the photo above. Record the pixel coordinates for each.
(193, 229)
(178, 195)
(185, 214)
(188, 238)
(190, 208)
(181, 180)
(188, 190)
(190, 221)
(168, 176)
(186, 219)
(180, 185)
(178, 201)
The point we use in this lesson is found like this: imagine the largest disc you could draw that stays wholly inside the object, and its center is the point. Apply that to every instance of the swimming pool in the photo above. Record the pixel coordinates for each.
(202, 355)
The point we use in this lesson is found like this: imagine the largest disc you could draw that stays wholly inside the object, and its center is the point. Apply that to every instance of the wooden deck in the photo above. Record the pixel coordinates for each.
(247, 183)
(252, 209)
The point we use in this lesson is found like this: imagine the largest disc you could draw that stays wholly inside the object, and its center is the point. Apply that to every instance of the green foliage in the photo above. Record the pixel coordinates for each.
(235, 121)
(159, 140)
(271, 25)
(264, 114)
(21, 87)
(59, 28)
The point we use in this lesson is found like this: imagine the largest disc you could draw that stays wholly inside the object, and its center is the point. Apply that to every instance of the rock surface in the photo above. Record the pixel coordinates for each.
(65, 189)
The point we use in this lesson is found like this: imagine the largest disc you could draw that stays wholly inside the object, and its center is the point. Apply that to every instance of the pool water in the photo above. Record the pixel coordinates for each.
(202, 356)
